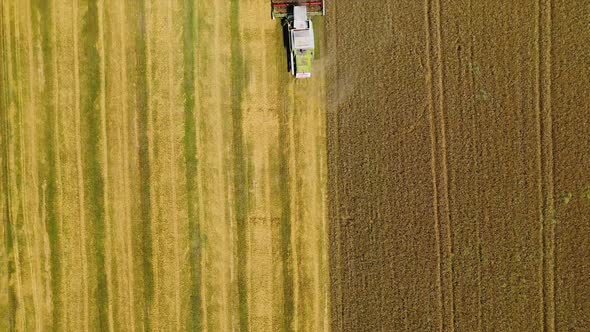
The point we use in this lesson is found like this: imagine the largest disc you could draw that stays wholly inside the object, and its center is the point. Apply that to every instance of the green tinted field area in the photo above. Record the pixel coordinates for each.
(160, 170)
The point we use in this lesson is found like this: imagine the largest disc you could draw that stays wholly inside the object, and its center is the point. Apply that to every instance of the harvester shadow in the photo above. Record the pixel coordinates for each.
(285, 26)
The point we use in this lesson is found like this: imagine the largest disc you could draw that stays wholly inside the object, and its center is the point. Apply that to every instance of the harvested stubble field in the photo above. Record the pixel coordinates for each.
(459, 165)
(160, 170)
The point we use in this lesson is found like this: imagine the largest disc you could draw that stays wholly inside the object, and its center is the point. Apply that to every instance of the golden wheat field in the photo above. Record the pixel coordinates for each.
(160, 170)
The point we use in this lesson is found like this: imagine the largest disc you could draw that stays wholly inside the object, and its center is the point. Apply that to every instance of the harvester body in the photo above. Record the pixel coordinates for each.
(301, 40)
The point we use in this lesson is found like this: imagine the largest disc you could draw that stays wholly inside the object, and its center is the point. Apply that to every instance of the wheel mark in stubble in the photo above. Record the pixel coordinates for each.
(173, 170)
(190, 153)
(107, 249)
(9, 237)
(23, 187)
(240, 196)
(12, 219)
(80, 179)
(433, 150)
(126, 180)
(11, 106)
(445, 152)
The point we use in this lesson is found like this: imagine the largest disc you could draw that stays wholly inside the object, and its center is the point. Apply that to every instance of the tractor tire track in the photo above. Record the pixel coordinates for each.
(30, 304)
(14, 197)
(29, 158)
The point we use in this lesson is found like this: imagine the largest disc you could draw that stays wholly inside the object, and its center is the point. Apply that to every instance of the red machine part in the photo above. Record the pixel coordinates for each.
(280, 8)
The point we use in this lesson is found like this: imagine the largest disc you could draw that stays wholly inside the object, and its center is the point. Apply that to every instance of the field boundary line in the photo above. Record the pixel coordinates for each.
(334, 205)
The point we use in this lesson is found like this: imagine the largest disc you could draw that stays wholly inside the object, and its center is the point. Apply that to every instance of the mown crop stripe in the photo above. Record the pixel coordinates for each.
(240, 190)
(48, 173)
(144, 167)
(92, 136)
(191, 163)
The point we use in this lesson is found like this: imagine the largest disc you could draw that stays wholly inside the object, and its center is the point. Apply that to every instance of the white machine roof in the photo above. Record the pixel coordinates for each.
(300, 17)
(303, 39)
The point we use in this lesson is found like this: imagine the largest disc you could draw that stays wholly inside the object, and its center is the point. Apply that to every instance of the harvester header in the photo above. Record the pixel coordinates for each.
(280, 8)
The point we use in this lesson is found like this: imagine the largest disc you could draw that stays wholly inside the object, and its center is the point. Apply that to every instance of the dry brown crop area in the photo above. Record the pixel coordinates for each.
(160, 170)
(459, 165)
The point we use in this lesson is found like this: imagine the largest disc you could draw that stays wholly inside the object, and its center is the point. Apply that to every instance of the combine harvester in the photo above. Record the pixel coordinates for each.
(301, 42)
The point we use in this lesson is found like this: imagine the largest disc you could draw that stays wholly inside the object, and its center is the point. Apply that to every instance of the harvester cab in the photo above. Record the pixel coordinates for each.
(301, 41)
